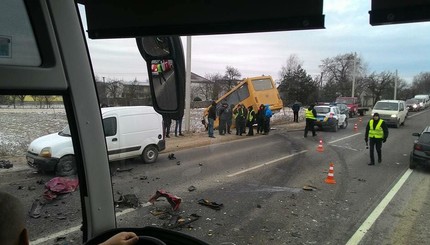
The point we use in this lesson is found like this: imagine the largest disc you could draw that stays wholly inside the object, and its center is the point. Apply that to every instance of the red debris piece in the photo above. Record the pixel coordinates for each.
(59, 185)
(172, 199)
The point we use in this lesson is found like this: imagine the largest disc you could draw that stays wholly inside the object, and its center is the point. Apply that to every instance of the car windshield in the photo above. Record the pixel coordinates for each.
(249, 170)
(389, 106)
(424, 138)
(411, 102)
(322, 110)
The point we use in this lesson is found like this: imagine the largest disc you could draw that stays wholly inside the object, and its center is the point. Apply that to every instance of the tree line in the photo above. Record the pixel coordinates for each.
(336, 79)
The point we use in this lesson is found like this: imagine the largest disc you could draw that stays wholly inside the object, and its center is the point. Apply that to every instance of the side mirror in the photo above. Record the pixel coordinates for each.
(416, 134)
(165, 63)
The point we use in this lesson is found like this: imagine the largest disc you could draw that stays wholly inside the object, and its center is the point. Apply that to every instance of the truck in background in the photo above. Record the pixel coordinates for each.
(354, 105)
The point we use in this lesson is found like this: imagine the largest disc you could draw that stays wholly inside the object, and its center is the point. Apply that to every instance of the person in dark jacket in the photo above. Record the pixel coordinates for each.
(211, 119)
(311, 117)
(178, 127)
(167, 122)
(229, 112)
(223, 117)
(240, 116)
(250, 120)
(376, 134)
(296, 109)
(260, 119)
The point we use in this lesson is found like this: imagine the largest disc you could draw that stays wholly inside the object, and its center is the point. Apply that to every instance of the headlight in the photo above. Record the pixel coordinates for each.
(45, 152)
(394, 115)
(414, 106)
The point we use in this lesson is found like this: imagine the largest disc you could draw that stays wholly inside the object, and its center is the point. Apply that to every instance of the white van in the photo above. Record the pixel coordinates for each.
(130, 132)
(425, 99)
(393, 112)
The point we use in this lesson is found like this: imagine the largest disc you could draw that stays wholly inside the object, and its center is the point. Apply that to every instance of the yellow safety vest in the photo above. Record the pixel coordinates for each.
(309, 114)
(376, 132)
(250, 116)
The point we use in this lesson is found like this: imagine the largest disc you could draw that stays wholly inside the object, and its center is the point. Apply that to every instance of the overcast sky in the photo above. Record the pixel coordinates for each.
(404, 47)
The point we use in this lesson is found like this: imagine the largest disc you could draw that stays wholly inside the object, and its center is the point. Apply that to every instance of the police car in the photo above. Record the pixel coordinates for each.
(329, 116)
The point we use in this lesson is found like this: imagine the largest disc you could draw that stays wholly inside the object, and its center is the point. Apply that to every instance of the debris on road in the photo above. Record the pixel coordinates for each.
(178, 163)
(171, 156)
(309, 188)
(174, 201)
(362, 180)
(212, 205)
(36, 209)
(124, 169)
(178, 221)
(5, 164)
(200, 164)
(59, 185)
(192, 188)
(128, 200)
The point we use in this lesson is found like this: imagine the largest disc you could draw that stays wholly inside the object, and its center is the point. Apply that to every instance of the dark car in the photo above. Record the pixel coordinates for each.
(420, 154)
(413, 105)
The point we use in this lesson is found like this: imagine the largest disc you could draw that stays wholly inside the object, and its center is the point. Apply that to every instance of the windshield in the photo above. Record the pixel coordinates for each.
(322, 110)
(345, 100)
(389, 106)
(410, 102)
(257, 173)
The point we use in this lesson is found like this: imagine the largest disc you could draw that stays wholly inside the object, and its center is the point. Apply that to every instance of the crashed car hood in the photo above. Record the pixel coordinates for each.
(49, 140)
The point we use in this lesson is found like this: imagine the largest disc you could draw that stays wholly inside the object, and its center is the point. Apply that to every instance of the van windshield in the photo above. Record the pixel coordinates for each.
(65, 131)
(389, 106)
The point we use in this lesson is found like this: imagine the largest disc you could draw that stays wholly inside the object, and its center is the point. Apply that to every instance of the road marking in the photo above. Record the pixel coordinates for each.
(266, 163)
(334, 141)
(346, 147)
(78, 227)
(364, 228)
(416, 114)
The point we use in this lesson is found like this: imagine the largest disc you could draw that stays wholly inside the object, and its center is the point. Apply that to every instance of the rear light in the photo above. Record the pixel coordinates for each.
(418, 147)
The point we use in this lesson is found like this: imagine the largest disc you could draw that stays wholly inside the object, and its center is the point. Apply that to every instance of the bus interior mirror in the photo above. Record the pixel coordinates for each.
(164, 57)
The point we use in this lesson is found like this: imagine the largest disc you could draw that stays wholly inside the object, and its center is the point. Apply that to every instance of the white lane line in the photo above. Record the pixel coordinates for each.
(416, 114)
(334, 141)
(266, 163)
(78, 228)
(364, 228)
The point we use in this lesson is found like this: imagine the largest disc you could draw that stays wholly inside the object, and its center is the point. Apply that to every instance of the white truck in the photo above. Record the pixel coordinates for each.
(129, 132)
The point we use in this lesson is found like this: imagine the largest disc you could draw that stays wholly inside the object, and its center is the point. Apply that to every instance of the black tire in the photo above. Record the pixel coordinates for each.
(397, 125)
(150, 154)
(412, 164)
(345, 124)
(66, 166)
(335, 126)
(361, 113)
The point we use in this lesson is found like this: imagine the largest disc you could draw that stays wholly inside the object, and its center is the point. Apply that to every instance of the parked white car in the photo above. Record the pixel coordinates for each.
(329, 116)
(393, 112)
(130, 132)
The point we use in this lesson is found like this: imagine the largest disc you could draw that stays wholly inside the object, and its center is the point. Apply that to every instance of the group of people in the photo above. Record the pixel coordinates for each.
(242, 116)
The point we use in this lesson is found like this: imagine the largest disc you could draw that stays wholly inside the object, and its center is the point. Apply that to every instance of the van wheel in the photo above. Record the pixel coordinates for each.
(66, 166)
(150, 154)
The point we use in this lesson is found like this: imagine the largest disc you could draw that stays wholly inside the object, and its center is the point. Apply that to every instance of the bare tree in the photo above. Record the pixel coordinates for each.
(292, 64)
(380, 85)
(21, 99)
(231, 77)
(338, 73)
(421, 83)
(39, 99)
(48, 100)
(215, 89)
(114, 88)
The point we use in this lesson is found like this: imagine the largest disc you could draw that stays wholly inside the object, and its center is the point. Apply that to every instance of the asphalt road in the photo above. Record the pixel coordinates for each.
(260, 181)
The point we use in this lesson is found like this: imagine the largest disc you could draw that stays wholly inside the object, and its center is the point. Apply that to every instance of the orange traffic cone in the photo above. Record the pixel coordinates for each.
(320, 147)
(355, 127)
(330, 175)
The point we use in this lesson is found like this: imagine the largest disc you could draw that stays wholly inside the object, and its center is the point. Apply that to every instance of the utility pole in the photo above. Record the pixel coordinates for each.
(353, 76)
(188, 86)
(395, 86)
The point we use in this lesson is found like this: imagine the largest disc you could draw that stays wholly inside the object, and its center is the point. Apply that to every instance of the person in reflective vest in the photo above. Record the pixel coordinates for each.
(240, 116)
(311, 117)
(376, 134)
(250, 120)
